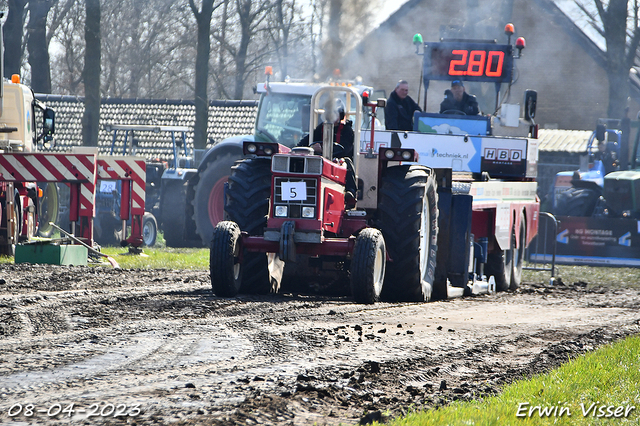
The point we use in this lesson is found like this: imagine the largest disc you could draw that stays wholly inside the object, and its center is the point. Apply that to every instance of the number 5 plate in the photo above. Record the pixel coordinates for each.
(294, 191)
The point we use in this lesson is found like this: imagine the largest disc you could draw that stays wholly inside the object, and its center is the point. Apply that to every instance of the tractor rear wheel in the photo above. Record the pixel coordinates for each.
(224, 266)
(173, 202)
(208, 202)
(408, 217)
(248, 206)
(367, 266)
(577, 202)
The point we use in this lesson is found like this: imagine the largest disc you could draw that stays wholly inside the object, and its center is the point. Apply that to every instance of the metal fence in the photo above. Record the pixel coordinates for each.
(542, 250)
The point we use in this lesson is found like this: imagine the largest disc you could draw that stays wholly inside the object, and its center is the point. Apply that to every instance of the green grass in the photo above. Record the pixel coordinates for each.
(608, 376)
(169, 258)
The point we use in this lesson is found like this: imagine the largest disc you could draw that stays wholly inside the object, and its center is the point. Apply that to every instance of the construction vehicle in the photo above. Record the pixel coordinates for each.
(597, 212)
(453, 224)
(22, 167)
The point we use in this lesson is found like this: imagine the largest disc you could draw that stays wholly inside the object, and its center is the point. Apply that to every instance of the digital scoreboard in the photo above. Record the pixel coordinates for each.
(484, 62)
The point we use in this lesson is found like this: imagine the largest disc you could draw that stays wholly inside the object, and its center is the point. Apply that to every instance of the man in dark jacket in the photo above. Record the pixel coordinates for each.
(457, 99)
(398, 114)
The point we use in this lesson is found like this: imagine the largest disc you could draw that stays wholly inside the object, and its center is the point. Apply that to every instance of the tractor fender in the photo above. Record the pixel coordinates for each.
(232, 144)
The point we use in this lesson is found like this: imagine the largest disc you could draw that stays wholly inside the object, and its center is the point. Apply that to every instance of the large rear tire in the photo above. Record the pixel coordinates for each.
(208, 202)
(367, 266)
(408, 217)
(173, 202)
(248, 206)
(577, 202)
(224, 266)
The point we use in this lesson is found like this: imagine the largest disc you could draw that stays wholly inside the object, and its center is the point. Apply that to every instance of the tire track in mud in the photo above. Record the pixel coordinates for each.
(162, 340)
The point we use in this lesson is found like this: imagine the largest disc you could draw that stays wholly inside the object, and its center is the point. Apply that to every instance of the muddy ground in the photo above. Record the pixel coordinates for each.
(102, 346)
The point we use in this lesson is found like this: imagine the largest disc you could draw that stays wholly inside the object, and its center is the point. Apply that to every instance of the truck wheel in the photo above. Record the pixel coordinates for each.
(174, 199)
(149, 229)
(518, 255)
(408, 217)
(500, 265)
(224, 264)
(6, 248)
(367, 266)
(48, 209)
(208, 202)
(248, 206)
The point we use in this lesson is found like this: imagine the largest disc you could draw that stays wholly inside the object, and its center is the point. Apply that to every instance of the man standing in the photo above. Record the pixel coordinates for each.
(398, 114)
(457, 99)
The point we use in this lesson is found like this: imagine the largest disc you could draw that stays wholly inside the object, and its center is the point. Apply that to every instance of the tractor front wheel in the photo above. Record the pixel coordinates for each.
(368, 266)
(224, 262)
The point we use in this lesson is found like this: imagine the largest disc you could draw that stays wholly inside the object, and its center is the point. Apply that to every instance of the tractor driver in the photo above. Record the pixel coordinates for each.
(458, 101)
(342, 149)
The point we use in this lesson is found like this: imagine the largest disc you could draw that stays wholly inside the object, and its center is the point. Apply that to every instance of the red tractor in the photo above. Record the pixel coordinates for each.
(288, 205)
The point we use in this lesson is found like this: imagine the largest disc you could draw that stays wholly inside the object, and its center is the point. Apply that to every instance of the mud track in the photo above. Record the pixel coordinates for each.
(156, 347)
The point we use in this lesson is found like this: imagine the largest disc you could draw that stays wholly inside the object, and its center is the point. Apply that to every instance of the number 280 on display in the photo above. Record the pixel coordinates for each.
(473, 62)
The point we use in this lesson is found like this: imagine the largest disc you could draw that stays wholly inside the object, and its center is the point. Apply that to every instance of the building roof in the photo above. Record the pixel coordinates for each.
(571, 141)
(226, 119)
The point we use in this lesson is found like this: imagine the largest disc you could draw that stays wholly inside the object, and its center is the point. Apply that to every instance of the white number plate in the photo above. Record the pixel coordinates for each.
(107, 186)
(294, 191)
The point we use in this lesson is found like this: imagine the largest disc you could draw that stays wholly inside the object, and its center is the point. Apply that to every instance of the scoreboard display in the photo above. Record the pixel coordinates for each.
(484, 62)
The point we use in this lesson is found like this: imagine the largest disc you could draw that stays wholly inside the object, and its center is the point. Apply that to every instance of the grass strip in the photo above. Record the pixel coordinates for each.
(600, 387)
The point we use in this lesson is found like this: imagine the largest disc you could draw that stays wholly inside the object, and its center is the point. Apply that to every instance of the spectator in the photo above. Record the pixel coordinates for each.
(398, 113)
(458, 101)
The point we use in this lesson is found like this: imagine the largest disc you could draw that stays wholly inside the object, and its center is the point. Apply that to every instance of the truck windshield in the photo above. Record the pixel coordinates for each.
(283, 118)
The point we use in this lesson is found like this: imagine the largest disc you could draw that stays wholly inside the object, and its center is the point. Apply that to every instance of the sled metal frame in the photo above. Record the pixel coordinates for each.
(547, 258)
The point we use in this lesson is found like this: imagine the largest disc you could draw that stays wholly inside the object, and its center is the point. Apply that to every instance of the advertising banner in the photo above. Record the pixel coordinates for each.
(591, 241)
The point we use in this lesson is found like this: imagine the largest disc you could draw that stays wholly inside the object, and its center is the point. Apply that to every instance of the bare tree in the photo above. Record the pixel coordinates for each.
(145, 49)
(203, 19)
(38, 46)
(289, 38)
(250, 15)
(91, 74)
(13, 37)
(622, 36)
(68, 61)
